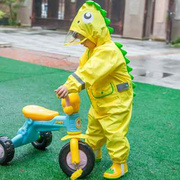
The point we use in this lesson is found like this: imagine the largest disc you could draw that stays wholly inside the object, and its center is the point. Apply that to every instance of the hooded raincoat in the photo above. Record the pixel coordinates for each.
(103, 73)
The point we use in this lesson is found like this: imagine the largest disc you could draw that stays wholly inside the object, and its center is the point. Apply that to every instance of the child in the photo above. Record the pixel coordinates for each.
(103, 73)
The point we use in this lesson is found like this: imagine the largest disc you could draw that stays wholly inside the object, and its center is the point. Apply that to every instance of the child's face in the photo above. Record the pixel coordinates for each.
(87, 43)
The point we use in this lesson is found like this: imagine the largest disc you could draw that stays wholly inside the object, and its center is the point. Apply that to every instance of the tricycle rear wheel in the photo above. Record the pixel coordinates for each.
(44, 140)
(6, 150)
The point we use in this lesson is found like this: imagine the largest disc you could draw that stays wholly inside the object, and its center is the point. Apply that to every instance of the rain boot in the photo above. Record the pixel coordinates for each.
(116, 171)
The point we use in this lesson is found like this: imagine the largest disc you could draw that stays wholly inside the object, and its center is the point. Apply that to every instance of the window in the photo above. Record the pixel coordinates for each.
(177, 10)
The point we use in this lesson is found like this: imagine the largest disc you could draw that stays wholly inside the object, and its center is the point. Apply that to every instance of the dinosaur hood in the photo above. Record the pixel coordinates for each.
(90, 23)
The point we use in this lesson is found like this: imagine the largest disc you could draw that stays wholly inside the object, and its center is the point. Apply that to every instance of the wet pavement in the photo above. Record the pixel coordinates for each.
(153, 62)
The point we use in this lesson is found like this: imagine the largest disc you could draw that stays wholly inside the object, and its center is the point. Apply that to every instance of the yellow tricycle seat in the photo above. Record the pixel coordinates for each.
(38, 113)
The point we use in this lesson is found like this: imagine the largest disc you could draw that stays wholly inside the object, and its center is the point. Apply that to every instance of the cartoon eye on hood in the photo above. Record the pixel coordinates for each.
(87, 17)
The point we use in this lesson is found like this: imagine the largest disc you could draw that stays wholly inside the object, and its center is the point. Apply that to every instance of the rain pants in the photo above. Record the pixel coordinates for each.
(103, 73)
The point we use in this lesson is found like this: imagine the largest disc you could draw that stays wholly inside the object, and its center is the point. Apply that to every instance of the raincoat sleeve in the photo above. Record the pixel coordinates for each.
(102, 63)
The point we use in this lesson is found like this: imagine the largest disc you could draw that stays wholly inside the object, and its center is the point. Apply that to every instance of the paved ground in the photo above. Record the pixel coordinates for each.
(153, 62)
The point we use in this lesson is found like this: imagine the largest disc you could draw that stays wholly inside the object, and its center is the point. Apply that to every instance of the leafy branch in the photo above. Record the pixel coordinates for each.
(13, 6)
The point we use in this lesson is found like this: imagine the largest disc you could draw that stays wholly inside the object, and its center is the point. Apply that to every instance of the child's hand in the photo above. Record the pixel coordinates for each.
(62, 91)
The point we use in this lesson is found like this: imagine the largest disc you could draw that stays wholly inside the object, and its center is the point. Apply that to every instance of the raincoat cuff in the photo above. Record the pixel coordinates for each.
(79, 80)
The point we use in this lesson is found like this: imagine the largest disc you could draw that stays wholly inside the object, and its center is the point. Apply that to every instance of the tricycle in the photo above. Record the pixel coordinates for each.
(76, 158)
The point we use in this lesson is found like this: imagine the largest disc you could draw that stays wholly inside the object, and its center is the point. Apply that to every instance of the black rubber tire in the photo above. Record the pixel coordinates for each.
(44, 140)
(8, 150)
(90, 159)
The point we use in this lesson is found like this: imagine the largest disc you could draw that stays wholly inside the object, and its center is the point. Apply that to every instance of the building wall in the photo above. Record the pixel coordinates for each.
(25, 13)
(175, 30)
(134, 19)
(176, 22)
(160, 17)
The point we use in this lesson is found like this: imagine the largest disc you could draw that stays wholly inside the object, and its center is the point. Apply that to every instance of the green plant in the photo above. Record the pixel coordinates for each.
(176, 43)
(13, 6)
(2, 14)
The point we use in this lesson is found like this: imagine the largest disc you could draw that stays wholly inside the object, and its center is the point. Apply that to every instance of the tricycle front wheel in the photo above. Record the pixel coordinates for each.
(87, 160)
(6, 150)
(44, 140)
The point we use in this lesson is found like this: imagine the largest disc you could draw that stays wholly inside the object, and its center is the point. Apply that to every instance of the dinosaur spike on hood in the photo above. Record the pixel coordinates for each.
(90, 2)
(108, 21)
(103, 12)
(118, 45)
(127, 60)
(129, 68)
(111, 30)
(97, 6)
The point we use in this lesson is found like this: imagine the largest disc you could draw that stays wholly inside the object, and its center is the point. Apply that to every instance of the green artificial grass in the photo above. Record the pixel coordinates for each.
(154, 132)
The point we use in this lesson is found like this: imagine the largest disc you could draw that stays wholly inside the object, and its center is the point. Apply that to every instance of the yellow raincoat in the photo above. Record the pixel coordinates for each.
(103, 73)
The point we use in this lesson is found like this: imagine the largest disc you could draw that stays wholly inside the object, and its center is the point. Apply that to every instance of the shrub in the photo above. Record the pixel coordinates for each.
(177, 41)
(2, 14)
(13, 6)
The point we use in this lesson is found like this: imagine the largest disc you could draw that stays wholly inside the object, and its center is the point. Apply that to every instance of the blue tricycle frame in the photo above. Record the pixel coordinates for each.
(74, 155)
(31, 129)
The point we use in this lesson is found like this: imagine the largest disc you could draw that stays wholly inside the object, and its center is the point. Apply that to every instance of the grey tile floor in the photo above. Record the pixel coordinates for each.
(153, 62)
